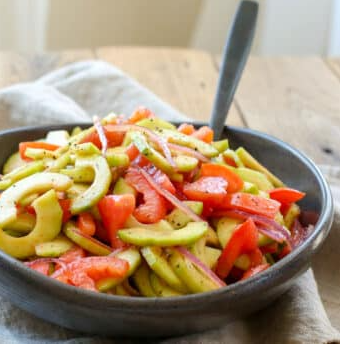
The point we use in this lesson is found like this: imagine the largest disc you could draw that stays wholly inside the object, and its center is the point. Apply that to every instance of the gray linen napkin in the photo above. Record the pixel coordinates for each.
(75, 93)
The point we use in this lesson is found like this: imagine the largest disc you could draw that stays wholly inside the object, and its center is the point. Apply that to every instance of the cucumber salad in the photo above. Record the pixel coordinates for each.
(138, 207)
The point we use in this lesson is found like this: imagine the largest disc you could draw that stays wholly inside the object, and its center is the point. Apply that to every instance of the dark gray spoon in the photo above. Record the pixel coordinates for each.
(235, 55)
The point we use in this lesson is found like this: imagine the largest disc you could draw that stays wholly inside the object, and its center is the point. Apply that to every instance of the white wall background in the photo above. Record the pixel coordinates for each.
(290, 27)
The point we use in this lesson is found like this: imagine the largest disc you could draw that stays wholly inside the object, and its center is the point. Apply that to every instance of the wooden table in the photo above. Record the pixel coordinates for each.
(295, 99)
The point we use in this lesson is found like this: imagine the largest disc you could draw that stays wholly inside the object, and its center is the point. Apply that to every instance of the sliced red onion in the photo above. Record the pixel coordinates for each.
(47, 260)
(270, 225)
(101, 133)
(162, 144)
(270, 233)
(188, 151)
(201, 266)
(170, 197)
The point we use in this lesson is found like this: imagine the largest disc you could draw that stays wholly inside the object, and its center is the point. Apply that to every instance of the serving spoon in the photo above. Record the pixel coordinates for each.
(235, 56)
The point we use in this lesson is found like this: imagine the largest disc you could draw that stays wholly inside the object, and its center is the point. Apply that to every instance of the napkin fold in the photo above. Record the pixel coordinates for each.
(80, 90)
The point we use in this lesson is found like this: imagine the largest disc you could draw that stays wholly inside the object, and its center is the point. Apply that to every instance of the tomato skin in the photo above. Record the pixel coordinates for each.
(139, 114)
(65, 205)
(235, 183)
(286, 195)
(154, 207)
(101, 232)
(40, 266)
(72, 254)
(160, 178)
(252, 204)
(186, 128)
(86, 224)
(270, 248)
(243, 240)
(34, 144)
(114, 138)
(210, 190)
(256, 257)
(114, 211)
(255, 270)
(204, 133)
(132, 152)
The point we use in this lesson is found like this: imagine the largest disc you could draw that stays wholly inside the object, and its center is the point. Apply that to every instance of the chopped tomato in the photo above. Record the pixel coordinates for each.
(210, 190)
(34, 144)
(40, 266)
(230, 161)
(186, 129)
(84, 272)
(132, 152)
(235, 183)
(86, 224)
(72, 254)
(252, 204)
(270, 248)
(286, 195)
(255, 270)
(65, 205)
(285, 250)
(160, 178)
(114, 211)
(101, 232)
(243, 240)
(256, 257)
(204, 133)
(284, 208)
(140, 114)
(114, 138)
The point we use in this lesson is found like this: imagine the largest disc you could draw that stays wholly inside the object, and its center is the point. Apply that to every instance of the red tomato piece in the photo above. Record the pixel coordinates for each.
(160, 178)
(113, 137)
(132, 152)
(72, 254)
(65, 205)
(256, 257)
(243, 240)
(139, 114)
(270, 248)
(235, 183)
(154, 207)
(86, 224)
(252, 204)
(204, 133)
(286, 195)
(255, 270)
(186, 129)
(210, 190)
(114, 211)
(40, 266)
(101, 232)
(42, 145)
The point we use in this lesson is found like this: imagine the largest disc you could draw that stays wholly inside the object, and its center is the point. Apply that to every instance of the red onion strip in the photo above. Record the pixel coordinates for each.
(101, 133)
(170, 197)
(205, 269)
(47, 260)
(154, 137)
(188, 151)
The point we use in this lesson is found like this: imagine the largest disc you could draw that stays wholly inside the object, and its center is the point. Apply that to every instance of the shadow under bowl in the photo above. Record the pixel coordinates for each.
(120, 316)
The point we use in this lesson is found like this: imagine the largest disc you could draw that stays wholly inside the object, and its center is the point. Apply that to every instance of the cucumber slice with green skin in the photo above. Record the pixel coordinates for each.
(225, 229)
(155, 124)
(158, 263)
(160, 287)
(185, 163)
(60, 163)
(249, 161)
(189, 141)
(24, 202)
(122, 188)
(150, 153)
(98, 188)
(192, 232)
(229, 153)
(75, 131)
(212, 255)
(242, 262)
(79, 174)
(87, 148)
(198, 249)
(162, 225)
(36, 183)
(212, 238)
(48, 212)
(178, 219)
(24, 223)
(221, 145)
(117, 159)
(76, 189)
(255, 177)
(54, 248)
(120, 290)
(292, 213)
(85, 241)
(132, 256)
(141, 279)
(21, 173)
(250, 188)
(39, 153)
(264, 240)
(12, 163)
(187, 272)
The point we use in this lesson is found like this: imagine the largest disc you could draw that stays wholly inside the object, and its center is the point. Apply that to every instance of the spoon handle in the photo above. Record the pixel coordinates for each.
(235, 55)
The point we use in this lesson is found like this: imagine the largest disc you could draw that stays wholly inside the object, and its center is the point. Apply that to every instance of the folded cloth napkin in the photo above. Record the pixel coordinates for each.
(75, 93)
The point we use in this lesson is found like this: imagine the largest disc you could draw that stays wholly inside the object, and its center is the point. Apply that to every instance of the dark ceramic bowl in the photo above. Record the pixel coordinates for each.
(149, 317)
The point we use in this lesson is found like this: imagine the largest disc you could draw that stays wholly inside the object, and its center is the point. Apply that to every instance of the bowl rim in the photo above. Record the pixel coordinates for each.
(86, 298)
